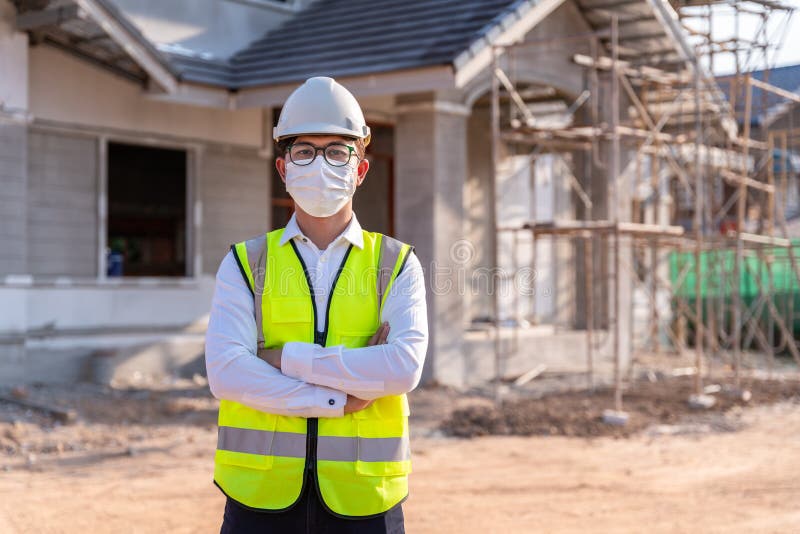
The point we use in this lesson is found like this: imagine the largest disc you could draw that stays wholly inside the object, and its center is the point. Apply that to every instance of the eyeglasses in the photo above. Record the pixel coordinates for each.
(336, 154)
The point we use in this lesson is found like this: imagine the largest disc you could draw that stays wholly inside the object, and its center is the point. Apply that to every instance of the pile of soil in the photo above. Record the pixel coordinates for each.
(579, 414)
(106, 418)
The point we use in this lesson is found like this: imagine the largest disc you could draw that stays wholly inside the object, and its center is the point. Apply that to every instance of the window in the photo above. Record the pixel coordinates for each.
(146, 232)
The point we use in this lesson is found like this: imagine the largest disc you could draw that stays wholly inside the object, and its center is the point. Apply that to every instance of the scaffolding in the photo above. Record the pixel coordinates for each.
(687, 209)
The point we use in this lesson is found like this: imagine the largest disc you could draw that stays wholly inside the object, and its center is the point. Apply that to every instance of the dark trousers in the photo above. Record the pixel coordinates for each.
(308, 515)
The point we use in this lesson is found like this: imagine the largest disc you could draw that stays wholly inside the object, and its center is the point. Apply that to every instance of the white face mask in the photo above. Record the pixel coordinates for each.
(319, 188)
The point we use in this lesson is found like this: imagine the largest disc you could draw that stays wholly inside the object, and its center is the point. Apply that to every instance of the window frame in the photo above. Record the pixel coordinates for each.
(193, 209)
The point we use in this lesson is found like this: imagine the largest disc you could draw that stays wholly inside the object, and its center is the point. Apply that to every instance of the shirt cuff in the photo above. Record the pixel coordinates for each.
(320, 402)
(330, 402)
(297, 359)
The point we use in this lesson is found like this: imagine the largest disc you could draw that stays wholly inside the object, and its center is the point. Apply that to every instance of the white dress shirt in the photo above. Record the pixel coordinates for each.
(314, 380)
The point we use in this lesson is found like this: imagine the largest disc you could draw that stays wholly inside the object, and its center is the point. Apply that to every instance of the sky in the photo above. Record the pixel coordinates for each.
(779, 29)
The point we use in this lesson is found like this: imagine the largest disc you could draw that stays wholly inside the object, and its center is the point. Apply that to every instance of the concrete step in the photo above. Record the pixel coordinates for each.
(120, 358)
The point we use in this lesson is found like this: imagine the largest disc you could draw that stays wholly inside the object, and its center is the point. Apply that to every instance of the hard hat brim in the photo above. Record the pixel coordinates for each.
(317, 128)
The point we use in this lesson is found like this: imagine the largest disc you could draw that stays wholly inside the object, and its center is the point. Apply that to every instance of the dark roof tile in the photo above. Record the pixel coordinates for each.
(352, 37)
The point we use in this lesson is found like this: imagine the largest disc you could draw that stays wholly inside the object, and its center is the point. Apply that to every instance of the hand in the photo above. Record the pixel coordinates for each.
(380, 335)
(271, 356)
(354, 404)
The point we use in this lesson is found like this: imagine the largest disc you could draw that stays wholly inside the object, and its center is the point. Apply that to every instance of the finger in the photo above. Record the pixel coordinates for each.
(363, 404)
(374, 339)
(384, 334)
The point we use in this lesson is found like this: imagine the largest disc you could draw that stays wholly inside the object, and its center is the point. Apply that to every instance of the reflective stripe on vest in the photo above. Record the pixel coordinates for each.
(266, 442)
(255, 252)
(351, 449)
(335, 448)
(362, 459)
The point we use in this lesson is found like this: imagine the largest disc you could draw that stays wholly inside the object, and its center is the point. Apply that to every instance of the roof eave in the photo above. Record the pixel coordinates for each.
(194, 94)
(433, 78)
(133, 42)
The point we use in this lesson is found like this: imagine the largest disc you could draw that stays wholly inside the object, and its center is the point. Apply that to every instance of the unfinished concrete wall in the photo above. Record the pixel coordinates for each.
(516, 205)
(62, 204)
(234, 188)
(551, 62)
(553, 263)
(543, 62)
(92, 97)
(477, 196)
(540, 291)
(560, 262)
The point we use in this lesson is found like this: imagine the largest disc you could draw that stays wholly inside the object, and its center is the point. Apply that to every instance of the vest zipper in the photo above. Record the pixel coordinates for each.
(311, 442)
(320, 338)
(312, 422)
(312, 428)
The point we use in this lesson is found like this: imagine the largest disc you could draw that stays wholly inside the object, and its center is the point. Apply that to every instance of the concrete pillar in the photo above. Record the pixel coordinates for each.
(430, 172)
(623, 183)
(13, 143)
(477, 204)
(594, 174)
(563, 292)
(13, 192)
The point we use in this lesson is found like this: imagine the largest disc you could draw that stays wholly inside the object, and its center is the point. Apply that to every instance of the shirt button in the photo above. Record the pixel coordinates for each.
(331, 402)
(305, 240)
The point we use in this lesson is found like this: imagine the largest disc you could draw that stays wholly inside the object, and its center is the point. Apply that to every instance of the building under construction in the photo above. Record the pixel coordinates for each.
(679, 186)
(578, 186)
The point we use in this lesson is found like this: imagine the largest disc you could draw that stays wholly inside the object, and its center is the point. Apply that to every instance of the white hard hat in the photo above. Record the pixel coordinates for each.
(321, 106)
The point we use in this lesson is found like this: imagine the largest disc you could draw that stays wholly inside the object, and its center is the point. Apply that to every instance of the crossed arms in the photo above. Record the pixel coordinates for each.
(313, 381)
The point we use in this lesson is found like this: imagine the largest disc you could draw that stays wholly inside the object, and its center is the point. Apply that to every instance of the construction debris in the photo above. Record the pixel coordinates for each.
(530, 375)
(59, 414)
(613, 417)
(581, 414)
(701, 402)
(740, 394)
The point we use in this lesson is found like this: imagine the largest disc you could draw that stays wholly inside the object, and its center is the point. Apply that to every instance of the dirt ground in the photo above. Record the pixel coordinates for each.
(141, 461)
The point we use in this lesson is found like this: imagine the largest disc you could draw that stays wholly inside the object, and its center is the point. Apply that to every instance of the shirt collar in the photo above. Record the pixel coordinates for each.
(351, 233)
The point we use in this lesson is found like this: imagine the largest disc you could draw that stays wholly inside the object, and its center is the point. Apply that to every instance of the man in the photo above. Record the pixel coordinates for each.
(316, 332)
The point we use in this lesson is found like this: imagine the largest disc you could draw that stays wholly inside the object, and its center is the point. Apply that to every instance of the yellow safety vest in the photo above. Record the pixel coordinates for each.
(359, 462)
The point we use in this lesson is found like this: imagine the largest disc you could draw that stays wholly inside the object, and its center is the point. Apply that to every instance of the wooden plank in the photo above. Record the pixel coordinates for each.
(60, 414)
(732, 177)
